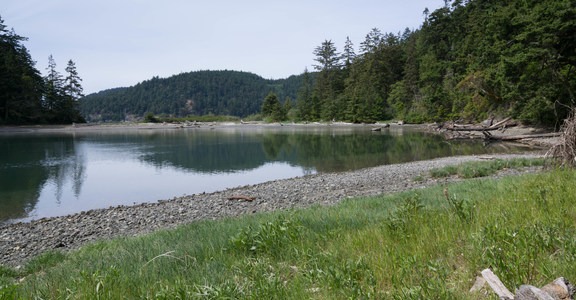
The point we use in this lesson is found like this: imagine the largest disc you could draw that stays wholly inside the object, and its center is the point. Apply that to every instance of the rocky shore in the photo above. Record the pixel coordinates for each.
(21, 241)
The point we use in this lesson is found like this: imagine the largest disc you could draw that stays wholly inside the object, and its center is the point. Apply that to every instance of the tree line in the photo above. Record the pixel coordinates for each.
(469, 60)
(195, 93)
(27, 97)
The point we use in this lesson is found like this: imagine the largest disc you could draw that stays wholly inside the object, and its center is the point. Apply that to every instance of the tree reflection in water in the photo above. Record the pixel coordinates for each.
(73, 171)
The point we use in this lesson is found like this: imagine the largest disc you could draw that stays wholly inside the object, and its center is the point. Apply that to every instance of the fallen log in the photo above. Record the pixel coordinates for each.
(496, 126)
(245, 198)
(520, 137)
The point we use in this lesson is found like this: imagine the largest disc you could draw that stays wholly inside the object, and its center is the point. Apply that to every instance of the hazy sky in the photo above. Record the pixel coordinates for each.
(118, 43)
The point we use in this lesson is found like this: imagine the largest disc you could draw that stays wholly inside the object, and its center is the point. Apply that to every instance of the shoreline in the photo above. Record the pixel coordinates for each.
(22, 241)
(97, 127)
(431, 128)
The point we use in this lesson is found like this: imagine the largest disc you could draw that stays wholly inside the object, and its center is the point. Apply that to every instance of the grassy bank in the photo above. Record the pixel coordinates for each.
(424, 244)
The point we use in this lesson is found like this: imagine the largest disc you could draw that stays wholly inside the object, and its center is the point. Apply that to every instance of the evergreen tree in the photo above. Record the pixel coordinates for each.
(287, 109)
(348, 55)
(327, 56)
(20, 81)
(72, 86)
(328, 84)
(73, 91)
(62, 94)
(272, 109)
(372, 41)
(54, 89)
(304, 105)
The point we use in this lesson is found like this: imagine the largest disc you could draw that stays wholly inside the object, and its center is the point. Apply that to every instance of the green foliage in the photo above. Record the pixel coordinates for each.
(26, 97)
(306, 108)
(464, 209)
(482, 169)
(20, 82)
(405, 215)
(150, 118)
(200, 93)
(444, 171)
(272, 109)
(269, 238)
(467, 61)
(44, 261)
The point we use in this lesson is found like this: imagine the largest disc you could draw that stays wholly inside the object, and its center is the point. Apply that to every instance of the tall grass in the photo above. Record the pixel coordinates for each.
(425, 244)
(476, 169)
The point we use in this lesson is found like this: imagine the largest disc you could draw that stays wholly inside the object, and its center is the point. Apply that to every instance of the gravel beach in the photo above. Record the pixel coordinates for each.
(21, 241)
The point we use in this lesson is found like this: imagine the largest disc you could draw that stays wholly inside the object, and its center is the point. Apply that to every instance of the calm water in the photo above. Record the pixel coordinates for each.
(53, 174)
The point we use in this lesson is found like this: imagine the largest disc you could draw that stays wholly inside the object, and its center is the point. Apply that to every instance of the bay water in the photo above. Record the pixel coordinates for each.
(46, 174)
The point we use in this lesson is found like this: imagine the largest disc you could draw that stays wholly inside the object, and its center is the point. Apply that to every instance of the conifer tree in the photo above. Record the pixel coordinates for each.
(62, 94)
(73, 91)
(20, 81)
(348, 55)
(72, 87)
(304, 99)
(54, 88)
(372, 41)
(271, 108)
(328, 81)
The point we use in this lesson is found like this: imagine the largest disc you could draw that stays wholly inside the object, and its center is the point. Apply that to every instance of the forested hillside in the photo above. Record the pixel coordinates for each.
(468, 61)
(195, 93)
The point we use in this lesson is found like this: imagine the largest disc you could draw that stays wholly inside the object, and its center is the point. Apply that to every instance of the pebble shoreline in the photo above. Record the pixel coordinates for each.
(21, 241)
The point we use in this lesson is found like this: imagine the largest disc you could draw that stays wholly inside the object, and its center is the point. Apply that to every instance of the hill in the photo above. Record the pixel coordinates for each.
(194, 93)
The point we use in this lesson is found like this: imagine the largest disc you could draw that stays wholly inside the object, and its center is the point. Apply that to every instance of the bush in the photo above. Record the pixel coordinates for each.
(150, 118)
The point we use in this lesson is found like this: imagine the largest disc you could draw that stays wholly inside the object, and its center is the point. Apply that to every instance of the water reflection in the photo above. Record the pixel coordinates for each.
(28, 164)
(52, 174)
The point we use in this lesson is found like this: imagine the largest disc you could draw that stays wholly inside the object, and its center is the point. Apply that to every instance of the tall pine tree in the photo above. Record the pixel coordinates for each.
(20, 81)
(304, 105)
(62, 94)
(73, 91)
(328, 81)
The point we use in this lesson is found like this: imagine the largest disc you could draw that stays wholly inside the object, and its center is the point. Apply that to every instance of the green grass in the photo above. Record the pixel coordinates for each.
(425, 244)
(476, 169)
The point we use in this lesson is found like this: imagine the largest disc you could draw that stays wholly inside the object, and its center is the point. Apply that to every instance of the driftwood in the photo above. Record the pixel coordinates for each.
(498, 125)
(558, 289)
(238, 197)
(487, 132)
(497, 286)
(521, 136)
(379, 128)
(564, 152)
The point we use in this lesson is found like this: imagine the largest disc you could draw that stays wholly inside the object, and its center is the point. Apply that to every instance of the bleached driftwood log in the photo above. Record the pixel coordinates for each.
(559, 289)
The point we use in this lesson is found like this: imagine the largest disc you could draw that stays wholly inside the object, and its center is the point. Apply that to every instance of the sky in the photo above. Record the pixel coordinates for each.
(119, 43)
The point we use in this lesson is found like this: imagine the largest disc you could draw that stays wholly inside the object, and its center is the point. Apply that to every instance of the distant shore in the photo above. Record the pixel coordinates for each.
(93, 127)
(210, 125)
